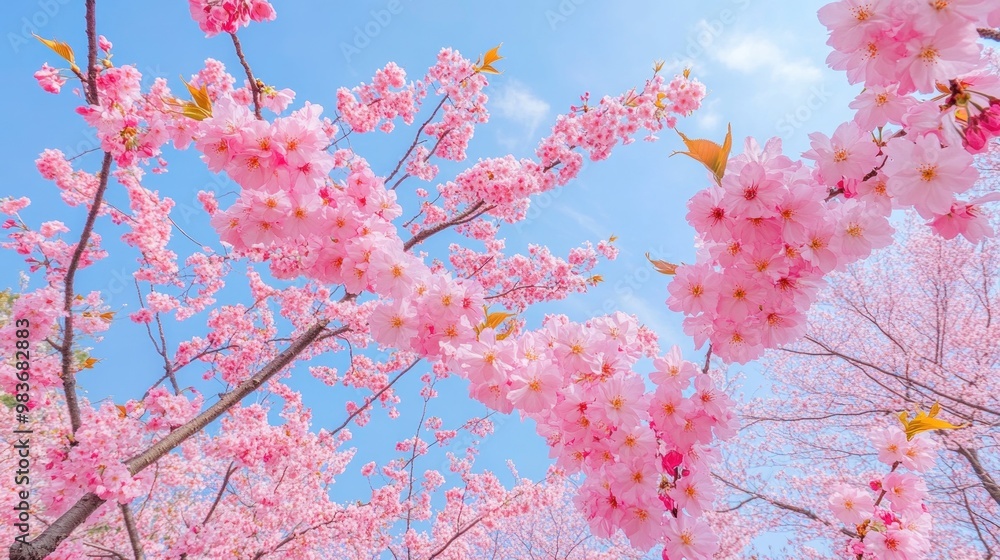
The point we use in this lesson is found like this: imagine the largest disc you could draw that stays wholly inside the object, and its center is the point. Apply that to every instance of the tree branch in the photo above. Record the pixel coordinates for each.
(193, 426)
(470, 213)
(972, 456)
(783, 505)
(416, 140)
(291, 537)
(91, 89)
(45, 543)
(374, 398)
(66, 349)
(457, 534)
(133, 533)
(902, 378)
(222, 489)
(68, 379)
(110, 553)
(254, 87)
(987, 33)
(54, 534)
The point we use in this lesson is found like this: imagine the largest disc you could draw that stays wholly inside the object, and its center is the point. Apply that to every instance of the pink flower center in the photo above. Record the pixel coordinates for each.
(929, 54)
(927, 172)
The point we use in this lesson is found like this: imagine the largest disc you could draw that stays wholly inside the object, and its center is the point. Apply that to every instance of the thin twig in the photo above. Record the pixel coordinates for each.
(783, 505)
(416, 140)
(222, 489)
(373, 398)
(254, 86)
(111, 553)
(469, 214)
(68, 379)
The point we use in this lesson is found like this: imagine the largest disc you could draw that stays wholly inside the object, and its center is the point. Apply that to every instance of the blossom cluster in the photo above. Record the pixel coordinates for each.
(228, 16)
(890, 518)
(772, 228)
(576, 380)
(646, 456)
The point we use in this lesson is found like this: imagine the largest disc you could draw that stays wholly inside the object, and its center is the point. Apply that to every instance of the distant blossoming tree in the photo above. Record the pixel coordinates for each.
(914, 325)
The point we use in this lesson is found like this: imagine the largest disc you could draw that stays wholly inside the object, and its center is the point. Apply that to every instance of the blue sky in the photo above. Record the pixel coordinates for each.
(762, 61)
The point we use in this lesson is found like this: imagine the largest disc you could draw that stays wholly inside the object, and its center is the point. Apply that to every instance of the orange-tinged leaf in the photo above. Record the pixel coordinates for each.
(122, 412)
(710, 154)
(89, 363)
(659, 100)
(200, 96)
(687, 72)
(193, 111)
(658, 65)
(60, 48)
(485, 64)
(492, 55)
(925, 422)
(595, 279)
(631, 99)
(108, 316)
(507, 332)
(495, 319)
(663, 267)
(199, 109)
(943, 88)
(612, 239)
(190, 109)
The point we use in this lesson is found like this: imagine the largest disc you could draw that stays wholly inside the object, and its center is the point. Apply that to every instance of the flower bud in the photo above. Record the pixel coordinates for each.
(975, 139)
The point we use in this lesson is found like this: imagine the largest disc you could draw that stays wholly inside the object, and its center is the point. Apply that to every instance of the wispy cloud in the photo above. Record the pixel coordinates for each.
(515, 102)
(651, 314)
(584, 221)
(708, 117)
(754, 54)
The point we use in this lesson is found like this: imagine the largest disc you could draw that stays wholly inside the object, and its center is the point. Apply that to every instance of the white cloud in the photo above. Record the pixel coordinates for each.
(754, 54)
(515, 102)
(708, 117)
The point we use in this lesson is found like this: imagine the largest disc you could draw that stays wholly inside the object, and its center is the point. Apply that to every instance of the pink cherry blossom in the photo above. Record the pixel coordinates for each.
(851, 505)
(925, 174)
(50, 79)
(688, 538)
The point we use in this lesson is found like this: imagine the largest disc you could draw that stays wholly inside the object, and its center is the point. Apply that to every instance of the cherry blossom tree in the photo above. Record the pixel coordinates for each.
(326, 265)
(913, 325)
(313, 238)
